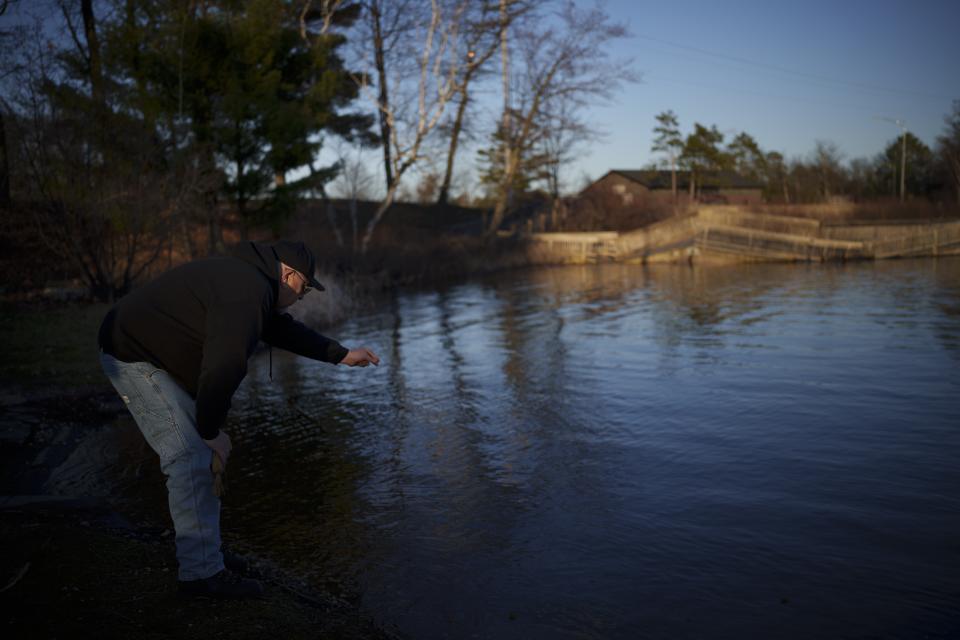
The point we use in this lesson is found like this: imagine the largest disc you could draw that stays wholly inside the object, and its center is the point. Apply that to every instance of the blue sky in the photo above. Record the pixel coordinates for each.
(788, 73)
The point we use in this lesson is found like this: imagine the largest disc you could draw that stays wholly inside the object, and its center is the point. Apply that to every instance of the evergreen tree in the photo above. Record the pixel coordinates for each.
(99, 188)
(532, 164)
(702, 152)
(920, 172)
(746, 156)
(669, 141)
(776, 175)
(245, 88)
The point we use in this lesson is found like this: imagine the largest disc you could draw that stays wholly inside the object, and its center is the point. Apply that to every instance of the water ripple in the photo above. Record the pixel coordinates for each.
(626, 451)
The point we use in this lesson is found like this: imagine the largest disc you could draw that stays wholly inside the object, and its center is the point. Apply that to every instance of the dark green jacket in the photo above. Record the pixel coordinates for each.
(201, 321)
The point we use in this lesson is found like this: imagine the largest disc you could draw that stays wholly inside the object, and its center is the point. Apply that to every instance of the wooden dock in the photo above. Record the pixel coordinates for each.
(727, 234)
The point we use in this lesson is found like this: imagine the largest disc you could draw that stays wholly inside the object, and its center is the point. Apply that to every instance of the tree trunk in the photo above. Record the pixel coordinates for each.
(354, 225)
(377, 216)
(507, 196)
(506, 183)
(504, 201)
(214, 229)
(4, 165)
(955, 165)
(215, 237)
(93, 49)
(673, 179)
(242, 217)
(452, 152)
(903, 167)
(498, 212)
(187, 231)
(383, 99)
(241, 197)
(332, 219)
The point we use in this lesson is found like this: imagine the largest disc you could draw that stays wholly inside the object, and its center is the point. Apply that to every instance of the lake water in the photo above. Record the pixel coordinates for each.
(626, 452)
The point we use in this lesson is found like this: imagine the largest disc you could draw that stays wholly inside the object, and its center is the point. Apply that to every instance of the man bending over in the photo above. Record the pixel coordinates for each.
(176, 350)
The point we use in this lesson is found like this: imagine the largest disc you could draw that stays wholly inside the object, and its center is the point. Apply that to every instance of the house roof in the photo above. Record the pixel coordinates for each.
(654, 179)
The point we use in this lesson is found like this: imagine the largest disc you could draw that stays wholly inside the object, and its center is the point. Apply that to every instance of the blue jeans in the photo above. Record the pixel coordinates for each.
(166, 415)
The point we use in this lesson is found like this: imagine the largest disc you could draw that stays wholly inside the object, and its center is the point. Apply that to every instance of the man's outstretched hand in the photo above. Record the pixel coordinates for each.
(360, 357)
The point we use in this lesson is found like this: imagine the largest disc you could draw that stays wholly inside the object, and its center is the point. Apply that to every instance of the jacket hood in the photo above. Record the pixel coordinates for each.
(264, 259)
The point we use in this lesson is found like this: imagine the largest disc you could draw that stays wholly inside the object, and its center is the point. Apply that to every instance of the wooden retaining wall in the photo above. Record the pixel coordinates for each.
(936, 239)
(727, 234)
(573, 248)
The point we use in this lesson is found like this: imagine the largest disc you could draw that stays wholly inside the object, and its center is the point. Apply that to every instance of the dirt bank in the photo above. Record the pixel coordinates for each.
(68, 573)
(78, 565)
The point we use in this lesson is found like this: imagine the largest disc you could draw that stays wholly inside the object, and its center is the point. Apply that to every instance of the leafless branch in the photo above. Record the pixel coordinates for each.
(68, 20)
(438, 70)
(566, 62)
(327, 10)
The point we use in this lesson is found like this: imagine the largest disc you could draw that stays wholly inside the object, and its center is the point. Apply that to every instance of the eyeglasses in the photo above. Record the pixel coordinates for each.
(306, 287)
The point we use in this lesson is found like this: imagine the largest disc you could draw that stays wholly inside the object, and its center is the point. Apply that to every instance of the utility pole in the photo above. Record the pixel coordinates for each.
(900, 122)
(903, 163)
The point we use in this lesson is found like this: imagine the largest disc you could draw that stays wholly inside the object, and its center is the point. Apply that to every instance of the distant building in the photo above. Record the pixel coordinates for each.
(715, 187)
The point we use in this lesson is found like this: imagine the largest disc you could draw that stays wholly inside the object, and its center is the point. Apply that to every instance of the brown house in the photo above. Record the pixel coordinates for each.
(717, 187)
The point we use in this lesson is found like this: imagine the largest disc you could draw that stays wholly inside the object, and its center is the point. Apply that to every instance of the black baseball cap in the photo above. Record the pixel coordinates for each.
(298, 256)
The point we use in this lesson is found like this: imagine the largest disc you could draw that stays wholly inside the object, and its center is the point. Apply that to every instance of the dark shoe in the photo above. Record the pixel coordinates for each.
(225, 584)
(235, 562)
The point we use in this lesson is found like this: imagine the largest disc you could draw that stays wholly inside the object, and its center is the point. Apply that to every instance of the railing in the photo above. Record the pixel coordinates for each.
(757, 244)
(939, 236)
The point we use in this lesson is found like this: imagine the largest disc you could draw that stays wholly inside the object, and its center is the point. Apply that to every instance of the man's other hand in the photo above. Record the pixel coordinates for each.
(221, 446)
(360, 357)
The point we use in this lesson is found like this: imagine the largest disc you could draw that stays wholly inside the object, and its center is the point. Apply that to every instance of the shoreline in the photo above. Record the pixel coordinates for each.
(73, 564)
(68, 572)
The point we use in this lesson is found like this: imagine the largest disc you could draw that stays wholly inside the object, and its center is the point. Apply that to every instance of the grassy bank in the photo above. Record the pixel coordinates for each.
(51, 346)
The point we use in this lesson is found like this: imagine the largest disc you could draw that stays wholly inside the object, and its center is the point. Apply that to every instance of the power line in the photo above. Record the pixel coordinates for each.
(794, 72)
(656, 77)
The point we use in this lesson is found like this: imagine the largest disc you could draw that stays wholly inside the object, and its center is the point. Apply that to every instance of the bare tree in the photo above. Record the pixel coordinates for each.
(509, 150)
(5, 4)
(561, 132)
(427, 187)
(437, 71)
(94, 66)
(11, 66)
(949, 146)
(826, 158)
(777, 174)
(101, 203)
(386, 35)
(353, 184)
(485, 26)
(323, 11)
(565, 61)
